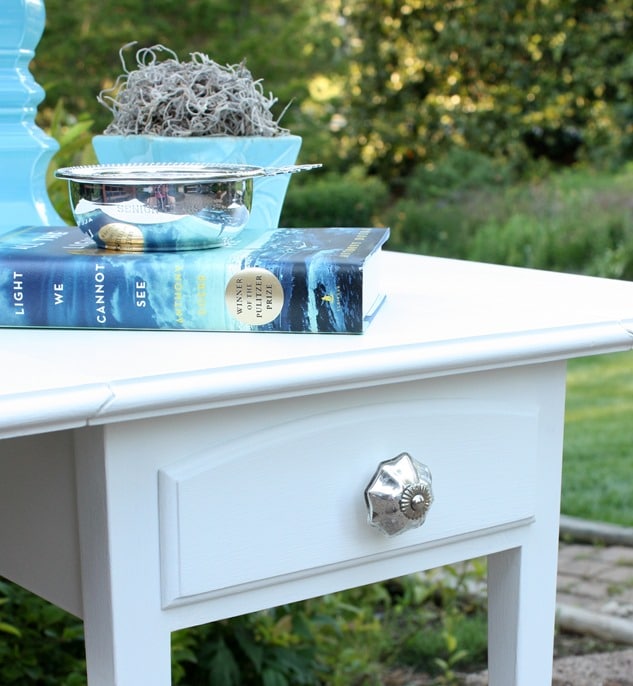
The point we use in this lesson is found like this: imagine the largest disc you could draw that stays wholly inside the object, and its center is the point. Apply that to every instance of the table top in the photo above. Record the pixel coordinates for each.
(440, 317)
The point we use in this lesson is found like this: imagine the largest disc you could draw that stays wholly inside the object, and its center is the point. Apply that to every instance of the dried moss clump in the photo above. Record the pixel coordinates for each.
(196, 98)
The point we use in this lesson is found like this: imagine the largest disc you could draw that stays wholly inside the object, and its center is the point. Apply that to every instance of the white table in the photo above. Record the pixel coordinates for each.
(153, 481)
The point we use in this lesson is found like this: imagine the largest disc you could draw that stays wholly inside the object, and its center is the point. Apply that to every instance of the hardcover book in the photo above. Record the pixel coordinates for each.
(296, 280)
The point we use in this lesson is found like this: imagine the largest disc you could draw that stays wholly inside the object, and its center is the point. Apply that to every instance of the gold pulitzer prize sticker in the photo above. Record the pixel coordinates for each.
(254, 296)
(119, 236)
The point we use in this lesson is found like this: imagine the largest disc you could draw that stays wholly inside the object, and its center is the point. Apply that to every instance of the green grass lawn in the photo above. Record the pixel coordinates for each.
(598, 449)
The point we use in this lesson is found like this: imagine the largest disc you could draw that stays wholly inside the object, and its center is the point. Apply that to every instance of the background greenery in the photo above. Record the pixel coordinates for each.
(495, 130)
(385, 84)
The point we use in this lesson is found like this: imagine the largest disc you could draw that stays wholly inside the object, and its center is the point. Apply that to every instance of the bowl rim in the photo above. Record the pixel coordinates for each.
(143, 173)
(159, 173)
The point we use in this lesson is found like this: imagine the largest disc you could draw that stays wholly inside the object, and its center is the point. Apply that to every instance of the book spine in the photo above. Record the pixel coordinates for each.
(73, 291)
(176, 291)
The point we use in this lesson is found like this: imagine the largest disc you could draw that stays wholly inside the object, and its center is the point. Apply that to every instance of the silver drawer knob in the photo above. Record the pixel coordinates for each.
(399, 495)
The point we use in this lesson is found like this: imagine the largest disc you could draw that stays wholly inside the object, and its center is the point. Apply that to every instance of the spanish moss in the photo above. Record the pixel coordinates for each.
(167, 97)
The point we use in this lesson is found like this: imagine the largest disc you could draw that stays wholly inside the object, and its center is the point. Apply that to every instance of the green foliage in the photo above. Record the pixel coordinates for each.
(382, 84)
(334, 200)
(453, 631)
(350, 638)
(457, 172)
(575, 221)
(521, 80)
(41, 644)
(272, 648)
(432, 621)
(74, 137)
(445, 203)
(5, 627)
(599, 439)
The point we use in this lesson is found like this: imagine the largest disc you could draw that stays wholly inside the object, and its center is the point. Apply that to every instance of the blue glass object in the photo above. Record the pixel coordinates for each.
(25, 150)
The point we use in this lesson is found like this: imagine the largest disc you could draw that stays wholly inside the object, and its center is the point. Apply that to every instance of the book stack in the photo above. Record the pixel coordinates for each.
(324, 280)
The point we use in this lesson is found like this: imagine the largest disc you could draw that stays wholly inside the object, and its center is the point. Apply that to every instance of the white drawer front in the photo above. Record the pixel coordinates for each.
(225, 522)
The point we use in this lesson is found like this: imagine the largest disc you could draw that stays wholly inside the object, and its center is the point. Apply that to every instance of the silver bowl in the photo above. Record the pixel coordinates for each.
(170, 206)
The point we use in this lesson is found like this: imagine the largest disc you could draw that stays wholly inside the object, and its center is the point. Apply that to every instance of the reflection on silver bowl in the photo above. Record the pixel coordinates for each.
(148, 207)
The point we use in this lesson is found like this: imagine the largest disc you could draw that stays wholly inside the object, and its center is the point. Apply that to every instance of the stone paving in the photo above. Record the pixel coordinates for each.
(595, 586)
(597, 578)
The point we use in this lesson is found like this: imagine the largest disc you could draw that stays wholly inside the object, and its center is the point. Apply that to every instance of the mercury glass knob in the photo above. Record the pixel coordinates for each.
(399, 495)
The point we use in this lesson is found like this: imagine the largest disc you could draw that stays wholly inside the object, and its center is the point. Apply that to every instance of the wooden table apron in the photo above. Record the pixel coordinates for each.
(171, 491)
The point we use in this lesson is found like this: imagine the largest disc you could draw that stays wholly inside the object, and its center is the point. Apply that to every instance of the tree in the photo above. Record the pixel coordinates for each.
(542, 77)
(384, 84)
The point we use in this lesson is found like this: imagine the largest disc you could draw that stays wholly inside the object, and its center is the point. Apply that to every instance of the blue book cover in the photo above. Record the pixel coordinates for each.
(297, 280)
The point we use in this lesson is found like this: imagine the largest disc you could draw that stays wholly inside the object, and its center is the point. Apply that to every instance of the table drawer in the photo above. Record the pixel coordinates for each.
(225, 522)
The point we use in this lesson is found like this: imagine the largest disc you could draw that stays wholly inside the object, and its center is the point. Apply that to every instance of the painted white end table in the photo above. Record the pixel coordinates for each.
(153, 481)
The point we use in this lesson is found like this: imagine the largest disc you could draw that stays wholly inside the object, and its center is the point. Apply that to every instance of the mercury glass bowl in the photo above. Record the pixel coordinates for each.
(163, 206)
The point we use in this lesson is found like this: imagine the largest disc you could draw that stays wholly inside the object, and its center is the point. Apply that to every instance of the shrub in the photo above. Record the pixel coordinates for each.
(574, 221)
(270, 648)
(459, 170)
(44, 645)
(335, 200)
(352, 637)
(571, 222)
(445, 203)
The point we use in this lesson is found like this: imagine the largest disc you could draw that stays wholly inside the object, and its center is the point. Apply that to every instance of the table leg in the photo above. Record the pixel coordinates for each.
(522, 579)
(132, 654)
(521, 614)
(126, 633)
